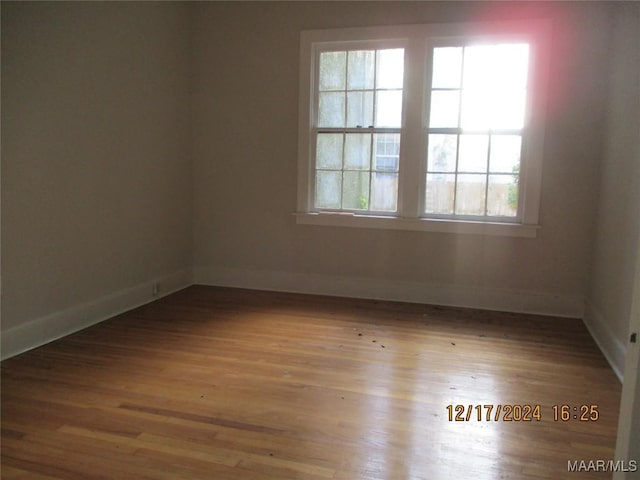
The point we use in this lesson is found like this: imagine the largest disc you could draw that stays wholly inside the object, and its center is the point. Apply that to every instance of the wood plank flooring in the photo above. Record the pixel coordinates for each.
(216, 383)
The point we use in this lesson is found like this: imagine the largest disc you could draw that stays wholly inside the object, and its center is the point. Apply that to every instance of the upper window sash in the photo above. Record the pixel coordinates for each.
(378, 48)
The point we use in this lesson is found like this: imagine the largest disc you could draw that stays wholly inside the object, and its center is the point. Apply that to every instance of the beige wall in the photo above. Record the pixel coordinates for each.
(141, 139)
(618, 221)
(96, 172)
(245, 96)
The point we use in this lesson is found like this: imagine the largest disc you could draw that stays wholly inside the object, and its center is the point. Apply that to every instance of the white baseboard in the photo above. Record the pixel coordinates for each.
(611, 346)
(59, 324)
(383, 289)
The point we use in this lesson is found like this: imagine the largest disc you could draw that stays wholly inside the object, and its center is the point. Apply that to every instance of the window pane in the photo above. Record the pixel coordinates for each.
(328, 189)
(508, 109)
(502, 199)
(329, 151)
(447, 67)
(357, 152)
(361, 68)
(390, 71)
(359, 109)
(476, 111)
(389, 108)
(333, 70)
(444, 108)
(470, 194)
(439, 193)
(480, 63)
(387, 151)
(331, 111)
(494, 86)
(505, 153)
(473, 153)
(355, 190)
(484, 109)
(511, 65)
(384, 192)
(442, 153)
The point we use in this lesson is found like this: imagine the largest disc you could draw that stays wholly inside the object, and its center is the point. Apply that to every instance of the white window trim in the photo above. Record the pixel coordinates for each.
(413, 155)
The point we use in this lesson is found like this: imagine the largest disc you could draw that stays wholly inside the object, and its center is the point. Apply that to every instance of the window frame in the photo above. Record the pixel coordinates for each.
(418, 41)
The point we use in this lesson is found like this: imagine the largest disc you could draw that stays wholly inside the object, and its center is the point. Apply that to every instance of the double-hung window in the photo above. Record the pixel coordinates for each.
(423, 127)
(357, 132)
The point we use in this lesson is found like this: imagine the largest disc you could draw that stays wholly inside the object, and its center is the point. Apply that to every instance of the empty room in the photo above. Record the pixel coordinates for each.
(320, 240)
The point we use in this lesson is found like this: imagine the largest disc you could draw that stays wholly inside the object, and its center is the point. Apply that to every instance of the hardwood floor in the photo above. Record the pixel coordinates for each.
(214, 383)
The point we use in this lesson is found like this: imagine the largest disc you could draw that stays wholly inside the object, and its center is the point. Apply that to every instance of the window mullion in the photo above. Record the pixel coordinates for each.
(371, 156)
(413, 142)
(455, 178)
(375, 87)
(457, 171)
(486, 185)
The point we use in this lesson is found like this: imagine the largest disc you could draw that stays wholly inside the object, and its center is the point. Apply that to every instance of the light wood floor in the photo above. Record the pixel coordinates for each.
(213, 383)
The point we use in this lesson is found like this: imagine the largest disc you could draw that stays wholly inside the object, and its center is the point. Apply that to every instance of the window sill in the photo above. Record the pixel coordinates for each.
(417, 224)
